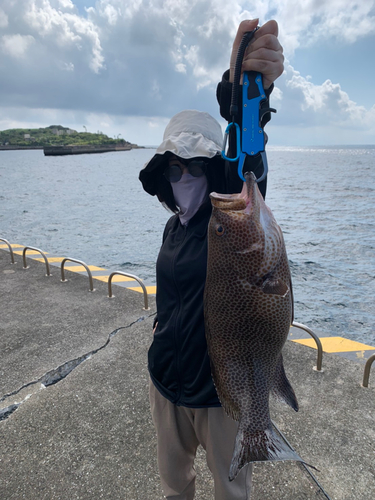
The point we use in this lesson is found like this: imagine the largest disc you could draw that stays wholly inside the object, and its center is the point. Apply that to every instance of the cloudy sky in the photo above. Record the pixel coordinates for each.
(126, 66)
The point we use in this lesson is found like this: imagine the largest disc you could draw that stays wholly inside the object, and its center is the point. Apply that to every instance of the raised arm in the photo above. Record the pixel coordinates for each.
(265, 55)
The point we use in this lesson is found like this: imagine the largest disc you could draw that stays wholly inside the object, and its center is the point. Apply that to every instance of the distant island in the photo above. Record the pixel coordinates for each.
(58, 136)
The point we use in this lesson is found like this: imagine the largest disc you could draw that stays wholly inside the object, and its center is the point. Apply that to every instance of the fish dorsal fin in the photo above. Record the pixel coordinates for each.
(275, 287)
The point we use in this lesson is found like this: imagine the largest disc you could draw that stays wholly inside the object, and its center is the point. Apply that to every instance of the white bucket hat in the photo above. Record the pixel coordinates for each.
(189, 134)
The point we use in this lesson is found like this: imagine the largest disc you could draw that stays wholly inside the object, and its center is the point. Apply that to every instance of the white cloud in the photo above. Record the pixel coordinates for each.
(305, 23)
(111, 11)
(3, 19)
(111, 14)
(59, 26)
(277, 94)
(327, 102)
(153, 124)
(195, 34)
(317, 114)
(16, 45)
(152, 58)
(68, 66)
(347, 19)
(180, 68)
(66, 4)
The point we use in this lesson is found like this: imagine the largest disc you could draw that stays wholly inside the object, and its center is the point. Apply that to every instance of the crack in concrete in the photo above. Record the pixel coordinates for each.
(53, 376)
(6, 412)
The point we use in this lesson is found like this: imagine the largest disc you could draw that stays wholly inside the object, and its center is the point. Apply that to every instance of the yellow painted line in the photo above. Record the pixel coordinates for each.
(116, 278)
(29, 252)
(335, 344)
(12, 245)
(150, 289)
(80, 269)
(51, 259)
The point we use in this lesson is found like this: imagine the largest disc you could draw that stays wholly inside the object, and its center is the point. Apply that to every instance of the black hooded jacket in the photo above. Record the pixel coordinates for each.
(178, 360)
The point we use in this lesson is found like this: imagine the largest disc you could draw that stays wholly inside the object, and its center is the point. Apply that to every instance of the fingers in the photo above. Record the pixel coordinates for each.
(267, 41)
(271, 28)
(264, 54)
(243, 28)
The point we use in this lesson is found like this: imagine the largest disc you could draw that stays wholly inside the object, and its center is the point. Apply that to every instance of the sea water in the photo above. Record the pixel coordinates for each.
(93, 208)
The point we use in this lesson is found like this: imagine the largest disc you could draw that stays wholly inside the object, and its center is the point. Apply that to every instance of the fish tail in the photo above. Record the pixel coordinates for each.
(258, 446)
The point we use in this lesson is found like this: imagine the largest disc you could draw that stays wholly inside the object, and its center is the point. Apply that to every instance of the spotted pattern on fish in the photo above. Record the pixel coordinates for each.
(248, 313)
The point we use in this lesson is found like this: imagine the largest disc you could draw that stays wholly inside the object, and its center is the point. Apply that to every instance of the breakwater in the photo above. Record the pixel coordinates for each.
(86, 149)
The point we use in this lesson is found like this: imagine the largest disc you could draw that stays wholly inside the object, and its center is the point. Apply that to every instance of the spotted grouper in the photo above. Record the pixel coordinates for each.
(248, 312)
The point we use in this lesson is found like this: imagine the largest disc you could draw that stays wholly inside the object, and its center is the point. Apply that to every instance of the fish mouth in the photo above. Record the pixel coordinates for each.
(237, 201)
(228, 201)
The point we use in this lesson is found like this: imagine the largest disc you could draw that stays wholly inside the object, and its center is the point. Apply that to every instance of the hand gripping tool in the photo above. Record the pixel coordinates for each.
(250, 140)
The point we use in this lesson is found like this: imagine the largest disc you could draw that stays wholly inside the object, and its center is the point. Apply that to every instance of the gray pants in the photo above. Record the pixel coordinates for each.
(179, 432)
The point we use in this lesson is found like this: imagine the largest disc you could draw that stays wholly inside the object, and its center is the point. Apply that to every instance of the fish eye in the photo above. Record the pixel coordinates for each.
(219, 230)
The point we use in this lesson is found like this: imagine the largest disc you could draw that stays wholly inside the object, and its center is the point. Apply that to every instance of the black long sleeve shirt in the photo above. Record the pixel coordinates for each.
(178, 361)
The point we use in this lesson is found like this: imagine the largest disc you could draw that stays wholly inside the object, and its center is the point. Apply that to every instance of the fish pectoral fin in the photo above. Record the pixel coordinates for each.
(275, 287)
(281, 386)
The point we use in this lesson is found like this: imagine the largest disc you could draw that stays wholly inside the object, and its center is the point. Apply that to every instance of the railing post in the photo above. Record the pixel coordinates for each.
(92, 289)
(10, 250)
(35, 250)
(366, 374)
(319, 346)
(145, 296)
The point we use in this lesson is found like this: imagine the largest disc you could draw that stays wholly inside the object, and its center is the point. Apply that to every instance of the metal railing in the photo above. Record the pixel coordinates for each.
(63, 280)
(10, 249)
(35, 250)
(366, 374)
(132, 276)
(319, 346)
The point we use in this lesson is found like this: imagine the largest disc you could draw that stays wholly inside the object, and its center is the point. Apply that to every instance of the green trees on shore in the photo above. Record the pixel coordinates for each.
(54, 135)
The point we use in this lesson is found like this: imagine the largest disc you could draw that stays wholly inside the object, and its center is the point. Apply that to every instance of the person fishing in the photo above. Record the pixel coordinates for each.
(188, 166)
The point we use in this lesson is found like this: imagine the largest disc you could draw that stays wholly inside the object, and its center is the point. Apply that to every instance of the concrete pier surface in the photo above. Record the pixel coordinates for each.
(75, 420)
